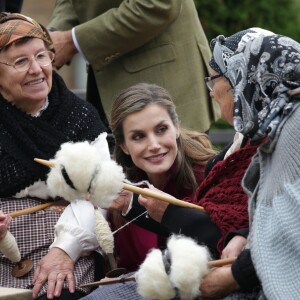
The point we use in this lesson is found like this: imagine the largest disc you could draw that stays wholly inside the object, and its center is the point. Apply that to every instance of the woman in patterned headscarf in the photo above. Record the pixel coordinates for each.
(38, 114)
(257, 75)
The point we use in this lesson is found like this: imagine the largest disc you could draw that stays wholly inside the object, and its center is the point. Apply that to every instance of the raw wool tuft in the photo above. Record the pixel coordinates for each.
(103, 233)
(80, 160)
(9, 247)
(152, 280)
(189, 264)
(95, 176)
(107, 184)
(187, 258)
(101, 144)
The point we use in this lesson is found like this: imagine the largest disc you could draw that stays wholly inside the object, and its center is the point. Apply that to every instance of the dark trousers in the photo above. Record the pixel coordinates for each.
(93, 96)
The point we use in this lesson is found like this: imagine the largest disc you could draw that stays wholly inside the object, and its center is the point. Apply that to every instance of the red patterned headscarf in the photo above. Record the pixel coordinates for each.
(14, 26)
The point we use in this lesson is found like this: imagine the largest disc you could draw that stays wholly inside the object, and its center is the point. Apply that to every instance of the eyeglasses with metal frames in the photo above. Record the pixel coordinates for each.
(23, 63)
(210, 81)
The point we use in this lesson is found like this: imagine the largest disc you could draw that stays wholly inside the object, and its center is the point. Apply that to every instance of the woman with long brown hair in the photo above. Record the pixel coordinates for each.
(151, 145)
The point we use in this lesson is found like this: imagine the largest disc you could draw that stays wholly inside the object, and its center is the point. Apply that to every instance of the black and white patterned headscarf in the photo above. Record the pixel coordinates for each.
(264, 71)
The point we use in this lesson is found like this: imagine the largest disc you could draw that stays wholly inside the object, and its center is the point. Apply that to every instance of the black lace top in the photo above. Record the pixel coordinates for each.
(23, 137)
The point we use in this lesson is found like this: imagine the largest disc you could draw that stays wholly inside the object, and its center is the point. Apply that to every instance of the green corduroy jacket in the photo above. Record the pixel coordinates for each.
(154, 41)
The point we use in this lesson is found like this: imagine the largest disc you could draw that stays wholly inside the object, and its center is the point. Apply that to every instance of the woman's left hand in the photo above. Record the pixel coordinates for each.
(218, 283)
(156, 208)
(55, 267)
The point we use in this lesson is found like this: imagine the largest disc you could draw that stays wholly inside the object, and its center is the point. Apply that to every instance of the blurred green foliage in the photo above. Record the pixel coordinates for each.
(220, 124)
(229, 16)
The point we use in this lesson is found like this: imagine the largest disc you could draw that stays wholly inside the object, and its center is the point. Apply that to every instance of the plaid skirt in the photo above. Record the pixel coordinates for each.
(34, 234)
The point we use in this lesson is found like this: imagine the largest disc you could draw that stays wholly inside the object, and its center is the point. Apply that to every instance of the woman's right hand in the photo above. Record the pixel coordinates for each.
(4, 223)
(55, 267)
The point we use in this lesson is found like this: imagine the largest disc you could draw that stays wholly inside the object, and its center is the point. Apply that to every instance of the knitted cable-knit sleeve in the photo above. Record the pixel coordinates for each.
(222, 195)
(244, 272)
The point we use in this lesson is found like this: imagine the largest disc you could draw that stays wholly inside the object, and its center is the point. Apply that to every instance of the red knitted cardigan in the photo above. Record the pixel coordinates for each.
(221, 193)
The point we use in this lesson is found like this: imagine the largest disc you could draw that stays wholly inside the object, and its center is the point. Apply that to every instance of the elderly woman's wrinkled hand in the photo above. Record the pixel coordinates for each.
(234, 247)
(4, 223)
(121, 204)
(55, 267)
(218, 283)
(155, 208)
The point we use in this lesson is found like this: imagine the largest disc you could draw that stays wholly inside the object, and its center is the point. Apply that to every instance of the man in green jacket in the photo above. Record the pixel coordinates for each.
(131, 41)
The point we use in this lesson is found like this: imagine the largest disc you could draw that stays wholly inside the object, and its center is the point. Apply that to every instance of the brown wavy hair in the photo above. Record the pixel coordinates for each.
(194, 148)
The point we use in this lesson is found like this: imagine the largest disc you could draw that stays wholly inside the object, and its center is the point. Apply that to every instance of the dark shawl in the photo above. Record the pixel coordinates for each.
(23, 137)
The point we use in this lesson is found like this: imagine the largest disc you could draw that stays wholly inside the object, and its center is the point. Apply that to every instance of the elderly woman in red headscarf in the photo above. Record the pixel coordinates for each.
(38, 114)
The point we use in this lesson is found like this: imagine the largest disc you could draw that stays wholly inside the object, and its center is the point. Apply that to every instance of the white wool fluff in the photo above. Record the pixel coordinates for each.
(80, 160)
(189, 264)
(102, 146)
(85, 166)
(107, 184)
(103, 233)
(152, 280)
(9, 247)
